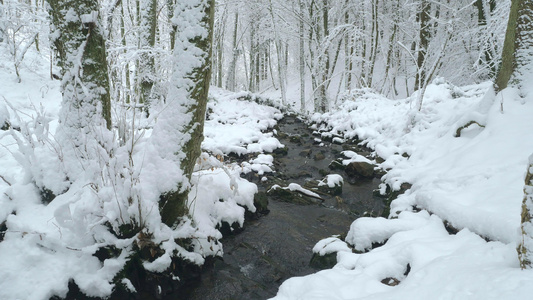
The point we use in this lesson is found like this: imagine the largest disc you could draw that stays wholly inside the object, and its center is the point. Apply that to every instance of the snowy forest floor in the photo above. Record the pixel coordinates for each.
(452, 235)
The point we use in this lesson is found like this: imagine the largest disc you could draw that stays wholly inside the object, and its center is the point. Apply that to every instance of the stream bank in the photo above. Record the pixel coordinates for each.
(277, 246)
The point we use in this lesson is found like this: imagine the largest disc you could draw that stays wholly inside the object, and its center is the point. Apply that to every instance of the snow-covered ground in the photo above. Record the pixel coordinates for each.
(47, 245)
(473, 182)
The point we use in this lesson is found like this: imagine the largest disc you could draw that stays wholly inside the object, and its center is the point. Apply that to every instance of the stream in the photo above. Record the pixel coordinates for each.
(279, 245)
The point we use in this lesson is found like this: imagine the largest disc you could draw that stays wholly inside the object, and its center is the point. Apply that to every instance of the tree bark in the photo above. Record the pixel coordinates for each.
(423, 18)
(348, 50)
(301, 65)
(80, 45)
(230, 82)
(181, 125)
(516, 54)
(374, 44)
(147, 73)
(174, 28)
(279, 53)
(525, 248)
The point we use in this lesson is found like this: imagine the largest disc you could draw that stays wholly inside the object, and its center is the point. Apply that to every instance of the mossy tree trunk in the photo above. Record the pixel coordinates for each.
(147, 73)
(525, 248)
(517, 47)
(424, 36)
(186, 113)
(170, 15)
(80, 45)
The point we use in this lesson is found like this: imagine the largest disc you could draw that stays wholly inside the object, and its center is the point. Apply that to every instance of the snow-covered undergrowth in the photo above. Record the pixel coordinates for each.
(45, 245)
(471, 177)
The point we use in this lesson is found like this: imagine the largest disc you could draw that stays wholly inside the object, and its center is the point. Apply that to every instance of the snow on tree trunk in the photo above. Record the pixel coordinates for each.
(281, 67)
(424, 35)
(78, 39)
(525, 248)
(85, 116)
(230, 82)
(179, 130)
(301, 65)
(147, 73)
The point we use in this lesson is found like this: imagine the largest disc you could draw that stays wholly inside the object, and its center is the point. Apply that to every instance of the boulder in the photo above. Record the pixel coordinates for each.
(261, 202)
(286, 195)
(296, 139)
(360, 169)
(336, 165)
(327, 261)
(319, 156)
(331, 185)
(306, 153)
(280, 151)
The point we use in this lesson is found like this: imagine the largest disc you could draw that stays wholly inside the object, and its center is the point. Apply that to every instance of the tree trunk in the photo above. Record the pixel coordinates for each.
(516, 56)
(230, 82)
(363, 53)
(279, 53)
(174, 28)
(254, 60)
(390, 50)
(525, 248)
(85, 86)
(374, 44)
(301, 65)
(146, 72)
(423, 18)
(181, 124)
(127, 87)
(348, 51)
(221, 29)
(325, 27)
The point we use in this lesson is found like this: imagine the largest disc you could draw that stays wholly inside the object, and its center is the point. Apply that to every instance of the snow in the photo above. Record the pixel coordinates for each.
(332, 180)
(47, 245)
(294, 187)
(366, 231)
(238, 126)
(261, 165)
(442, 266)
(354, 157)
(473, 182)
(330, 245)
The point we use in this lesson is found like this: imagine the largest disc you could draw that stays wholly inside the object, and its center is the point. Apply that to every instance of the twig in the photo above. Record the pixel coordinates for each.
(5, 180)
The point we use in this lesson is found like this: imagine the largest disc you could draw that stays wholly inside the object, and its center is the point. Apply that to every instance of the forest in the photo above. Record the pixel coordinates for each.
(283, 149)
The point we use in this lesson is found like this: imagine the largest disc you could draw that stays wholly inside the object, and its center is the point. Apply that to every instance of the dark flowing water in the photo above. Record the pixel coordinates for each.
(308, 159)
(279, 245)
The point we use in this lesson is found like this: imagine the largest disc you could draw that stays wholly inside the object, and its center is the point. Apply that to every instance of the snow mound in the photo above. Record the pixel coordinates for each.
(238, 126)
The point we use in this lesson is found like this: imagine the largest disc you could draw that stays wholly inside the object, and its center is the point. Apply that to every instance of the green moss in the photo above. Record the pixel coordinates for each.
(458, 131)
(327, 261)
(508, 63)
